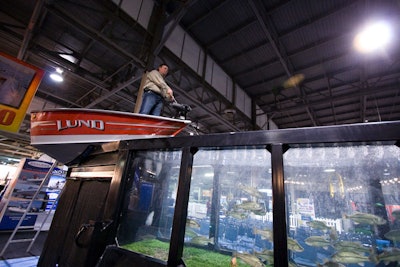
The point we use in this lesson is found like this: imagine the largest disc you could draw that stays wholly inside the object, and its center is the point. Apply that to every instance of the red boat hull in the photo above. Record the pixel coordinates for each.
(86, 125)
(51, 129)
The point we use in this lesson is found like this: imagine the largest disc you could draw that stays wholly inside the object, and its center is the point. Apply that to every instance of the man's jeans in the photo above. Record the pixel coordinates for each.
(152, 103)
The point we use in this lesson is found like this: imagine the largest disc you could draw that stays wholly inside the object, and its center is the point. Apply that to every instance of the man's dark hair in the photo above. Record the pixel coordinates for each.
(163, 64)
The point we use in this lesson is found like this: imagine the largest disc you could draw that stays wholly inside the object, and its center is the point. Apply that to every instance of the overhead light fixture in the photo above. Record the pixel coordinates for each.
(373, 37)
(57, 75)
(69, 58)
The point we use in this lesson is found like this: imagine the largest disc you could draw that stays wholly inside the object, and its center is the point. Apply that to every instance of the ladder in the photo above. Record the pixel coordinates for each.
(28, 212)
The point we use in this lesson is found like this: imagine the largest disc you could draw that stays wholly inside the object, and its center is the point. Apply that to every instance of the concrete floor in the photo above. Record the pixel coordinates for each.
(16, 254)
(19, 250)
(20, 262)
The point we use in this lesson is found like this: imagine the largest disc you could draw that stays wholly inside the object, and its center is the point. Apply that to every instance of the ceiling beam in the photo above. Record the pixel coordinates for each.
(256, 9)
(104, 81)
(17, 147)
(113, 92)
(323, 15)
(171, 23)
(201, 105)
(200, 19)
(92, 33)
(369, 91)
(228, 34)
(29, 30)
(331, 75)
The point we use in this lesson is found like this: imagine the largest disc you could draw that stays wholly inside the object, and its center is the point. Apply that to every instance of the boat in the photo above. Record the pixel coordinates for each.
(67, 133)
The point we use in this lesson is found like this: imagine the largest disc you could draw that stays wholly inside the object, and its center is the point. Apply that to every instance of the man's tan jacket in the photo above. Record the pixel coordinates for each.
(156, 83)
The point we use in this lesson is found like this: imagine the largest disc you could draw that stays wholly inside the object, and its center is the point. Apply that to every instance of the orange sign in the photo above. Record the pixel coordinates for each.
(18, 84)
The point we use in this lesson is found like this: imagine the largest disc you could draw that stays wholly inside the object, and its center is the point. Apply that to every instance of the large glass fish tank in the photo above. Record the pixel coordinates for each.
(328, 203)
(343, 204)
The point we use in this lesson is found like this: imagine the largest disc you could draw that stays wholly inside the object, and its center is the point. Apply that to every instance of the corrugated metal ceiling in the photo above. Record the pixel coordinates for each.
(257, 43)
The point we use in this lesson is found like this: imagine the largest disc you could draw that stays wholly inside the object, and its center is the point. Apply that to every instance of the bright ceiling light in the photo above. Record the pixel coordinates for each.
(69, 58)
(373, 37)
(57, 75)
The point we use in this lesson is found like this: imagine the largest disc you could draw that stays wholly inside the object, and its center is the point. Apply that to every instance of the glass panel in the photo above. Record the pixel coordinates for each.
(149, 203)
(343, 204)
(230, 208)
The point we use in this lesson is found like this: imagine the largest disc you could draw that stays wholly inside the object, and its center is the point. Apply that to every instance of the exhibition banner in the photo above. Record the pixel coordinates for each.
(24, 185)
(18, 84)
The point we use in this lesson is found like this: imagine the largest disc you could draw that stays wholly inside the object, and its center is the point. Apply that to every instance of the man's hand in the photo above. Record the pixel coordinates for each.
(170, 94)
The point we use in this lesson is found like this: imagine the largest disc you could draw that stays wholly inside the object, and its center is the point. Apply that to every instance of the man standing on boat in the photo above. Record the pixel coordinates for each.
(156, 91)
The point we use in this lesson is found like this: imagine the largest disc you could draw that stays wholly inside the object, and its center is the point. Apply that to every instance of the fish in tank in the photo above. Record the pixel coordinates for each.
(342, 205)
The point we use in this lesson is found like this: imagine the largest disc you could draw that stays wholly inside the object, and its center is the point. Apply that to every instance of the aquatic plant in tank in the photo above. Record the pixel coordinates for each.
(195, 257)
